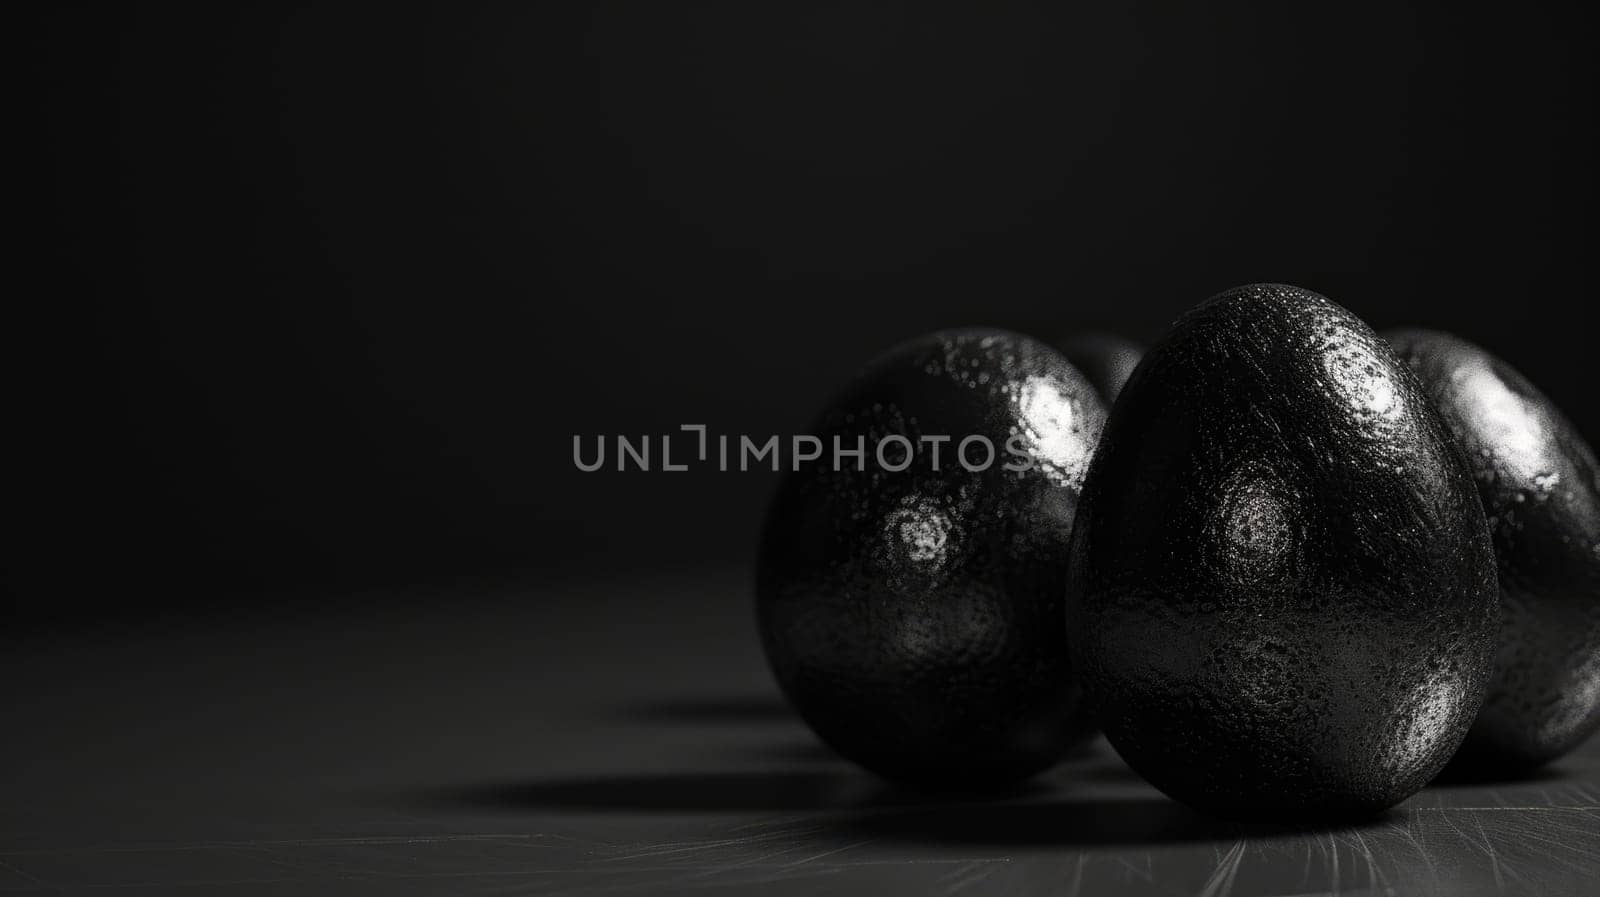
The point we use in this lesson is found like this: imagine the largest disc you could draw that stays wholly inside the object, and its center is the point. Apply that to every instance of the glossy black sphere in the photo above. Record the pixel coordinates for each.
(1536, 477)
(1282, 596)
(1108, 361)
(914, 618)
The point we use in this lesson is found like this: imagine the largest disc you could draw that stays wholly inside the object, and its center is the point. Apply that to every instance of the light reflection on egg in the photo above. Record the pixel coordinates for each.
(1052, 431)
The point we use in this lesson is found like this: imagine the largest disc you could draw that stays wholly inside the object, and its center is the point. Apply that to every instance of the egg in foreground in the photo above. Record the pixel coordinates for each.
(1282, 596)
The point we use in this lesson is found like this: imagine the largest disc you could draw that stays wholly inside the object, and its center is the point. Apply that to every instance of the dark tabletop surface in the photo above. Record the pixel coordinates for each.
(614, 737)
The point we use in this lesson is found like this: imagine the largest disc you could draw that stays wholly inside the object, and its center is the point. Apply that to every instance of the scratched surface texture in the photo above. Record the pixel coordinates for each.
(616, 738)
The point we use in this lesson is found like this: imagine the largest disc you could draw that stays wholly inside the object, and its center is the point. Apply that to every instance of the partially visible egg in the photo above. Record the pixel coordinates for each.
(1108, 361)
(914, 616)
(1282, 596)
(1536, 477)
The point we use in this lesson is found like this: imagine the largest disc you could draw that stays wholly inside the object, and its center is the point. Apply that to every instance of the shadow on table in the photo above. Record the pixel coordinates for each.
(1466, 774)
(1089, 760)
(862, 807)
(724, 792)
(726, 709)
(1123, 822)
(810, 751)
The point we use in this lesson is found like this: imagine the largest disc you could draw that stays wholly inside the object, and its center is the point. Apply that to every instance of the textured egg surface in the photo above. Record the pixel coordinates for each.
(1282, 595)
(914, 618)
(1536, 477)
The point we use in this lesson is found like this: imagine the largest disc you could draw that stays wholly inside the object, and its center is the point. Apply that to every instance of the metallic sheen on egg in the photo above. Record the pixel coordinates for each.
(914, 617)
(1282, 597)
(1537, 479)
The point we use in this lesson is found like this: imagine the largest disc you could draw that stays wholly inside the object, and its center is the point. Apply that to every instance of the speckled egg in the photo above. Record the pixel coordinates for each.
(1282, 592)
(1107, 360)
(911, 606)
(1536, 477)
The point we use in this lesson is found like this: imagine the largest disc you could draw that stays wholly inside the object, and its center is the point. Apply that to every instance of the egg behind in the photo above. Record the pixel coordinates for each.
(1537, 479)
(914, 617)
(1107, 360)
(1282, 595)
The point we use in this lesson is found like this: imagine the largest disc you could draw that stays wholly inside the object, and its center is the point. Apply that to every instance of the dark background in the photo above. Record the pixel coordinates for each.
(321, 298)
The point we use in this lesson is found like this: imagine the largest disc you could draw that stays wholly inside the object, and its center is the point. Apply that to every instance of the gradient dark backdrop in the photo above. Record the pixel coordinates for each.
(325, 296)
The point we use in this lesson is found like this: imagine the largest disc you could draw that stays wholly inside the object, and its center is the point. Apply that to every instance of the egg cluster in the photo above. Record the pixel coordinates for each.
(1290, 567)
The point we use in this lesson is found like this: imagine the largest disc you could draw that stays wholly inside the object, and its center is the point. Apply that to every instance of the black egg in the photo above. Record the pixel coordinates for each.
(1536, 477)
(914, 617)
(1108, 361)
(1282, 596)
